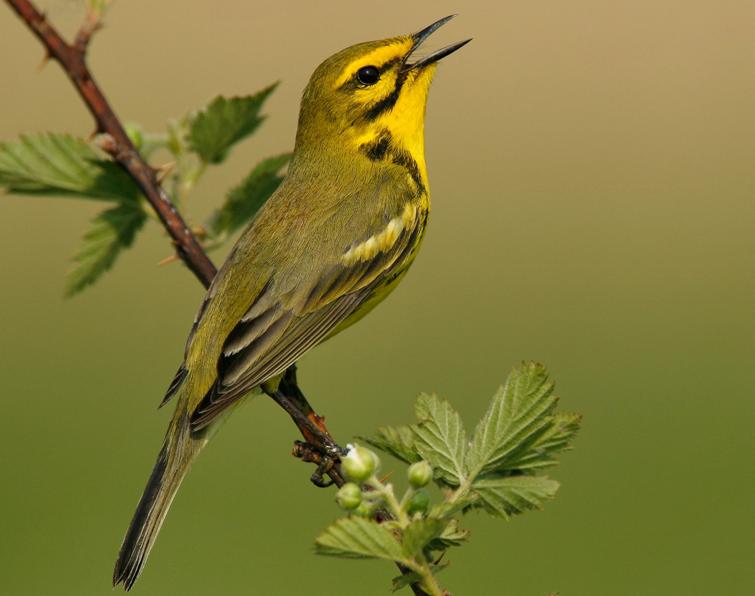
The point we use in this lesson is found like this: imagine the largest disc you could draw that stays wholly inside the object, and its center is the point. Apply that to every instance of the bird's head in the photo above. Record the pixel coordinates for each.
(371, 91)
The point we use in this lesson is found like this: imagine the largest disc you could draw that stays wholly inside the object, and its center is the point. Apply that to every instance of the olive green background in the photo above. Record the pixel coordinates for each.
(593, 184)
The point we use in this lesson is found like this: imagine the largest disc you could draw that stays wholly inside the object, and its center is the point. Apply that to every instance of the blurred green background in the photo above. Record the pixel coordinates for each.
(593, 186)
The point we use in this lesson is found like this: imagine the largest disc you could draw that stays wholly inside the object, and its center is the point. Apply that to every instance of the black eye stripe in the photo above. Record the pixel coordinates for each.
(388, 101)
(353, 82)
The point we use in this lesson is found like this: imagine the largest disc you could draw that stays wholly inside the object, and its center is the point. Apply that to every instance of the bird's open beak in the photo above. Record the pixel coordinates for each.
(421, 36)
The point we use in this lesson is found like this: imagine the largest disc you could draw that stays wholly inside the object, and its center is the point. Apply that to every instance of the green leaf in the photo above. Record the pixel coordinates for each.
(113, 230)
(224, 122)
(509, 495)
(404, 580)
(441, 438)
(397, 441)
(518, 415)
(419, 533)
(448, 508)
(243, 201)
(359, 538)
(560, 430)
(452, 535)
(53, 163)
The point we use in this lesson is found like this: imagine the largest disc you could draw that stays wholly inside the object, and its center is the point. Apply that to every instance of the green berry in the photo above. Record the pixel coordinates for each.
(420, 474)
(349, 496)
(360, 463)
(419, 502)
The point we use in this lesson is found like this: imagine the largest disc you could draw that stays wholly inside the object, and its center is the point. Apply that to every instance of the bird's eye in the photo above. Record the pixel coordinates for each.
(368, 75)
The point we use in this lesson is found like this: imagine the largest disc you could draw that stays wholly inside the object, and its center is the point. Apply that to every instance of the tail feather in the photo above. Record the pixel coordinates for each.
(178, 451)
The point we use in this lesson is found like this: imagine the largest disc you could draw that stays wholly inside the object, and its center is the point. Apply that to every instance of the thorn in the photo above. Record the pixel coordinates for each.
(91, 25)
(200, 232)
(387, 477)
(168, 260)
(163, 171)
(45, 59)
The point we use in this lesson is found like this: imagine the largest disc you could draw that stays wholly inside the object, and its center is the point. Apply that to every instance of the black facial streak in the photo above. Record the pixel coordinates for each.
(383, 147)
(388, 101)
(383, 105)
(353, 83)
(390, 64)
(377, 149)
(404, 159)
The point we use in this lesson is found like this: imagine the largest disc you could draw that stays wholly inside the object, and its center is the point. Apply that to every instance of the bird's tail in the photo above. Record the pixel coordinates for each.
(178, 451)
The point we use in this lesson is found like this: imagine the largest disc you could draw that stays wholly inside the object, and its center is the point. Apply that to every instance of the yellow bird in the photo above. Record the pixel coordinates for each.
(331, 243)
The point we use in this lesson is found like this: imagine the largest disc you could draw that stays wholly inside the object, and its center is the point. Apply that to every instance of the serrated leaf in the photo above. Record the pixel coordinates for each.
(402, 581)
(52, 163)
(518, 414)
(446, 509)
(397, 441)
(359, 538)
(224, 122)
(441, 438)
(509, 495)
(452, 535)
(419, 533)
(560, 430)
(424, 405)
(111, 232)
(243, 201)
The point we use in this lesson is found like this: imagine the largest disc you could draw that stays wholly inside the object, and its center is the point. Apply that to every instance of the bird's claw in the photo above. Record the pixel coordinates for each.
(325, 459)
(318, 476)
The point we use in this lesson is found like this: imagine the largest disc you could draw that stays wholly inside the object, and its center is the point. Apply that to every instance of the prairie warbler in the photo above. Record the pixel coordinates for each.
(333, 240)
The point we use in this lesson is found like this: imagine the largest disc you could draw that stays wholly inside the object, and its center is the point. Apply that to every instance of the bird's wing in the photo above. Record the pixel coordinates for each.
(278, 329)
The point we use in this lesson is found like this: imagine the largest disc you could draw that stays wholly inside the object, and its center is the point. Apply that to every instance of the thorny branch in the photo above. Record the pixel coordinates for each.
(72, 59)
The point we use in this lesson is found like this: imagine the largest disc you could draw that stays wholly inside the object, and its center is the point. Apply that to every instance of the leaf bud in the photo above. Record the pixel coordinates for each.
(365, 509)
(360, 463)
(419, 502)
(420, 474)
(349, 496)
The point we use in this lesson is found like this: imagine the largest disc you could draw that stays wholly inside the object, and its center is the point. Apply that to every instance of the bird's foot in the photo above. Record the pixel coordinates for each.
(327, 460)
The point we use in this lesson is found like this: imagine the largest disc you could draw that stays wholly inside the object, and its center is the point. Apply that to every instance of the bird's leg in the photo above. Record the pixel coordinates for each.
(326, 465)
(290, 388)
(319, 447)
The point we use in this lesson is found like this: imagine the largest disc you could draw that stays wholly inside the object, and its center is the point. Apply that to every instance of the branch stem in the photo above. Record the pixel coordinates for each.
(429, 583)
(386, 491)
(72, 59)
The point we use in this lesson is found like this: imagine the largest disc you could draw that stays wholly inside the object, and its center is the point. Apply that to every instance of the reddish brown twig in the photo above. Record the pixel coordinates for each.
(72, 58)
